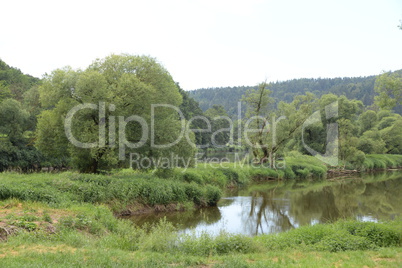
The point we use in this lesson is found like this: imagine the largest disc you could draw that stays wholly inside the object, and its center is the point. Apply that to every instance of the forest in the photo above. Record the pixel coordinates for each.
(33, 116)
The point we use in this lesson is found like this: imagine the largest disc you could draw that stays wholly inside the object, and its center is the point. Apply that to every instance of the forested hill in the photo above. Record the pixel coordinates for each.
(360, 88)
(13, 83)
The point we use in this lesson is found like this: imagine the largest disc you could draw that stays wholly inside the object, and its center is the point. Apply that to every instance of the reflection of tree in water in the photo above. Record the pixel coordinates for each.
(182, 220)
(314, 206)
(347, 199)
(381, 199)
(268, 208)
(268, 211)
(265, 214)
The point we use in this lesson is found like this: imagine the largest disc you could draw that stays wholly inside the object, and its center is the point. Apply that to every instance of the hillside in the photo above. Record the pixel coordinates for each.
(360, 88)
(13, 83)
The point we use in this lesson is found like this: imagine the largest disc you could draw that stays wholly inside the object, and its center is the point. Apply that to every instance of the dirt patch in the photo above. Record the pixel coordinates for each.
(6, 231)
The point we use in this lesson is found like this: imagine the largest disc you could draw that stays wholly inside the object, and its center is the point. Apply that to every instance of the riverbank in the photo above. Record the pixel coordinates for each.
(68, 219)
(129, 192)
(89, 235)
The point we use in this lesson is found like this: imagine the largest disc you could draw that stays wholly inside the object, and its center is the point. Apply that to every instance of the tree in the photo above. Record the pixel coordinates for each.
(13, 119)
(371, 142)
(191, 111)
(4, 91)
(257, 114)
(392, 137)
(368, 120)
(348, 142)
(131, 107)
(274, 129)
(16, 150)
(221, 127)
(389, 88)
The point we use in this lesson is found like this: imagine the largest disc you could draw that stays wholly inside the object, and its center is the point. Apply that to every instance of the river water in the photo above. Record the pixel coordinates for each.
(273, 207)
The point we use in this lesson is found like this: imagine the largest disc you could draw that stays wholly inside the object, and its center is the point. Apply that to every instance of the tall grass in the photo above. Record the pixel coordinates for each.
(202, 185)
(382, 161)
(65, 188)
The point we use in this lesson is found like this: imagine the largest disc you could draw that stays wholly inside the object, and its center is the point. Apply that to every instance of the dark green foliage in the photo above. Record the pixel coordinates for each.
(360, 88)
(17, 82)
(19, 155)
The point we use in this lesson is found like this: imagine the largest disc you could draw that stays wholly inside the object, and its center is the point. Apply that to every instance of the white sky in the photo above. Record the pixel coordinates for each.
(208, 43)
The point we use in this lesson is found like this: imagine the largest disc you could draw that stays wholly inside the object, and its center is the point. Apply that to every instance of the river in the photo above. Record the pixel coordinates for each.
(278, 206)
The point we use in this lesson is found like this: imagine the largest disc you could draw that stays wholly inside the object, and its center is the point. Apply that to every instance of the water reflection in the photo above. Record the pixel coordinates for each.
(276, 206)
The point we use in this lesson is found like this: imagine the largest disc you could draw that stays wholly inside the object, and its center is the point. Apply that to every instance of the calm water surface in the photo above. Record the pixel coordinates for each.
(273, 207)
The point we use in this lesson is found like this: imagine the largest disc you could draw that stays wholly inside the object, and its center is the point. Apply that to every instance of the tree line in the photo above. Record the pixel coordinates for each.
(359, 88)
(121, 89)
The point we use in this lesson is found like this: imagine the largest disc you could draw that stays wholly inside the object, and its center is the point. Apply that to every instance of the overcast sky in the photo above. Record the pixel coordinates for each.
(208, 43)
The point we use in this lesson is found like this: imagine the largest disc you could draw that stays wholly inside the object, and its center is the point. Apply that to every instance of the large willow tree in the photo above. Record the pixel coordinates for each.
(121, 90)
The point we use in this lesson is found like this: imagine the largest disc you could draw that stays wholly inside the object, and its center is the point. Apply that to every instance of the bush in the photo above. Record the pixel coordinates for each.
(206, 245)
(342, 241)
(377, 233)
(226, 243)
(213, 194)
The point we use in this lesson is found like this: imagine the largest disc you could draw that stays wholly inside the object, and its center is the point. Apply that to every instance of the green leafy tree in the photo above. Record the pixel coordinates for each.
(392, 137)
(13, 119)
(274, 130)
(221, 127)
(258, 114)
(4, 91)
(368, 120)
(371, 142)
(389, 88)
(122, 86)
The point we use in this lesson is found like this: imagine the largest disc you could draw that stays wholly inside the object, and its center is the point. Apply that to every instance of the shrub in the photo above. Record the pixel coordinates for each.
(226, 243)
(377, 233)
(192, 176)
(342, 240)
(212, 194)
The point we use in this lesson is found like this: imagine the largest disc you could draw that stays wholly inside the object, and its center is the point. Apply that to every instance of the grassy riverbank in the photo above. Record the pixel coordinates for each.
(89, 235)
(67, 219)
(129, 191)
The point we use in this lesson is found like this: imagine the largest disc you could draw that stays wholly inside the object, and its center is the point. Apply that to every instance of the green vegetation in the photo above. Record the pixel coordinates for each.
(85, 234)
(36, 132)
(381, 161)
(133, 190)
(358, 88)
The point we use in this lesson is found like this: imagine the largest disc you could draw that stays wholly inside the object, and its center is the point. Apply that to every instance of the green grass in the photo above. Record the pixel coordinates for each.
(169, 189)
(382, 161)
(89, 235)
